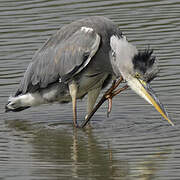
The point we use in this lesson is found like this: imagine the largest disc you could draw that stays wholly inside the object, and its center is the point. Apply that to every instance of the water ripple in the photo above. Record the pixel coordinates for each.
(134, 142)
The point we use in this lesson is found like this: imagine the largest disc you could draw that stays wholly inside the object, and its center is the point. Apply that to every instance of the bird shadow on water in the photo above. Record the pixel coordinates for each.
(59, 150)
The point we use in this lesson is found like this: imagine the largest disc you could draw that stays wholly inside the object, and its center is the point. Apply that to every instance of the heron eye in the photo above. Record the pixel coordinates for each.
(137, 75)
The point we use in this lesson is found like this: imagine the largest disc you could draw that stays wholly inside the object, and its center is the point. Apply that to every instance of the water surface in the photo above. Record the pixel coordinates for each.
(134, 142)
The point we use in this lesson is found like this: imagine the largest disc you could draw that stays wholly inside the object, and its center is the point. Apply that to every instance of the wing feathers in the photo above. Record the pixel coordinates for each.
(62, 60)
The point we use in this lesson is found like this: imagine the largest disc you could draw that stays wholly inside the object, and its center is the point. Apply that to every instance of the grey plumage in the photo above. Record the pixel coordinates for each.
(81, 58)
(65, 52)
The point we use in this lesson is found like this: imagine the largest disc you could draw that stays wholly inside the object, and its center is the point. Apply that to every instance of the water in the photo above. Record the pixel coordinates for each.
(134, 142)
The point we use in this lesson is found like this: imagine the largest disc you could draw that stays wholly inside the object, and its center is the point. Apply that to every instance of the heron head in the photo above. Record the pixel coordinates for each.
(138, 68)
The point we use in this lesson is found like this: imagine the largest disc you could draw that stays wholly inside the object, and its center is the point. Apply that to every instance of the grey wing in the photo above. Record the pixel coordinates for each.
(61, 60)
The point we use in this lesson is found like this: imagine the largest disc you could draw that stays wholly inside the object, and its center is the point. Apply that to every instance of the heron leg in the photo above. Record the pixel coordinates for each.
(109, 106)
(73, 93)
(92, 97)
(109, 94)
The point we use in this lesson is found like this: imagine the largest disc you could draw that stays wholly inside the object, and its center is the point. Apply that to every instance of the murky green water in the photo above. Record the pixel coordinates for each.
(134, 142)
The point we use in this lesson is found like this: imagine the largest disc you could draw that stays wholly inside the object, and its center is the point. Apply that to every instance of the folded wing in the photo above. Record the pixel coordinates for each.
(60, 60)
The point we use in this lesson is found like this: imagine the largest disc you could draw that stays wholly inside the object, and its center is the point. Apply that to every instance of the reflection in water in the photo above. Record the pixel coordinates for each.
(79, 151)
(147, 169)
(133, 143)
(65, 152)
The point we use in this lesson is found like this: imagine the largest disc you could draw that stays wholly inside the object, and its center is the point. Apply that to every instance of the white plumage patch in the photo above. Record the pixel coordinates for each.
(86, 29)
(31, 99)
(24, 101)
(122, 55)
(119, 43)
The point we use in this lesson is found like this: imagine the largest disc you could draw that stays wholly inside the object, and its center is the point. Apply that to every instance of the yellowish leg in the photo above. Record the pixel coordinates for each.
(73, 93)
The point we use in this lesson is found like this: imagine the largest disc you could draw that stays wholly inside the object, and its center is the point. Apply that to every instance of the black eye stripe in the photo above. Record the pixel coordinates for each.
(144, 64)
(143, 60)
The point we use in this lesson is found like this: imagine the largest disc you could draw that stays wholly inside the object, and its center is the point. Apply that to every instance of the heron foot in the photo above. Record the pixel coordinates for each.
(109, 105)
(76, 125)
(109, 94)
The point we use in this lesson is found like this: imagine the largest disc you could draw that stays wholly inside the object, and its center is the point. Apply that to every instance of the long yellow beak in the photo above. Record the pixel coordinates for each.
(144, 90)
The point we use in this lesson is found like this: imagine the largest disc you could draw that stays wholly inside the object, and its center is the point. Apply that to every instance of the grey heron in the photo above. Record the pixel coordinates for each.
(80, 59)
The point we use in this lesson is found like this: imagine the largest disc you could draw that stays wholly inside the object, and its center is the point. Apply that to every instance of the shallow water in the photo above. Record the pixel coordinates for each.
(134, 142)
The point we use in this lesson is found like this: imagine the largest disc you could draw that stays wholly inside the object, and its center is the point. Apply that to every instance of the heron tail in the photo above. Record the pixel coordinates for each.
(15, 104)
